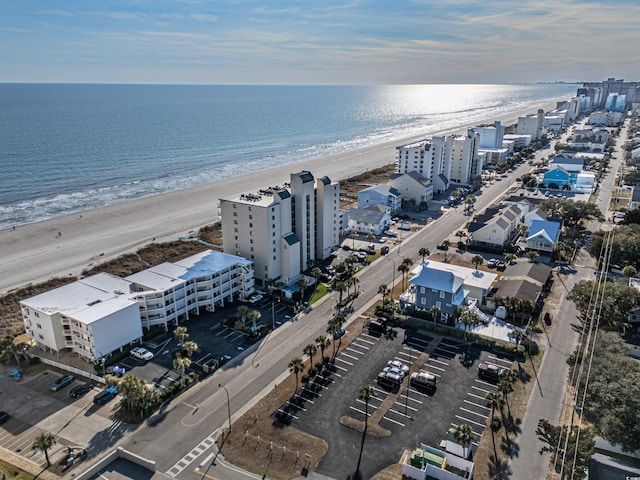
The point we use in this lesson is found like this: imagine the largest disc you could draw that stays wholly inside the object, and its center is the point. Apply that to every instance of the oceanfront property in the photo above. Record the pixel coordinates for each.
(97, 315)
(281, 230)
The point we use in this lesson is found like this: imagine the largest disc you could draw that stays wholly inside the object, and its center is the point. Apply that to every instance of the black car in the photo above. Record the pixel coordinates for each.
(80, 390)
(62, 382)
(4, 416)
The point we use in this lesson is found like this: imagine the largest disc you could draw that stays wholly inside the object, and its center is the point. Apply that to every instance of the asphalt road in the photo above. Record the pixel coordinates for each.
(249, 377)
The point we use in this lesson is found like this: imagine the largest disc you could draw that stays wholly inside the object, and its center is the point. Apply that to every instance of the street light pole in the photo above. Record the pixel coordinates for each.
(228, 405)
(394, 275)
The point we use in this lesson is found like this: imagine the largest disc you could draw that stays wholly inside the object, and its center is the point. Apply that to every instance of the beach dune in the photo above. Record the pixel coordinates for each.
(65, 246)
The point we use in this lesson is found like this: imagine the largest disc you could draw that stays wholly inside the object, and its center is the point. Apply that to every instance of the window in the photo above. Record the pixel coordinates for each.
(38, 325)
(423, 301)
(41, 337)
(235, 229)
(251, 225)
(36, 314)
(252, 249)
(439, 305)
(422, 289)
(251, 240)
(250, 217)
(442, 294)
(235, 222)
(235, 214)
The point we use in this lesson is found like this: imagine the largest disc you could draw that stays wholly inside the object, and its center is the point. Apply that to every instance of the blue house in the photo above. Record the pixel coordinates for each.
(560, 177)
(543, 235)
(435, 287)
(380, 195)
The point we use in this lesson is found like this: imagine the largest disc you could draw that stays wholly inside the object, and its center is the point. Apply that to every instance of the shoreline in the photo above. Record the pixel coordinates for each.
(62, 246)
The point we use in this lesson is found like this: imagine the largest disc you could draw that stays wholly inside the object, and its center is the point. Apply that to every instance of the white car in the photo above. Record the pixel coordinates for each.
(399, 365)
(256, 298)
(141, 353)
(394, 371)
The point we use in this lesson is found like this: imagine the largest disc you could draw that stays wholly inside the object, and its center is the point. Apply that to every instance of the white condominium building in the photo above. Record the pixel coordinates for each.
(465, 162)
(426, 157)
(531, 125)
(281, 230)
(100, 314)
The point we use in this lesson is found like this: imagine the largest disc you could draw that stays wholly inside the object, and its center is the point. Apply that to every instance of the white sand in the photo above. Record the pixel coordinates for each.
(35, 253)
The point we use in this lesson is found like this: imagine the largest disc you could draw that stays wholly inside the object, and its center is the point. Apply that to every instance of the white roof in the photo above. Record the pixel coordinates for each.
(471, 277)
(168, 275)
(86, 300)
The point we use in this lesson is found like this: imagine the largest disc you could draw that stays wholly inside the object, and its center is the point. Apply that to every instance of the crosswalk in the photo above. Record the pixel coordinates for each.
(189, 458)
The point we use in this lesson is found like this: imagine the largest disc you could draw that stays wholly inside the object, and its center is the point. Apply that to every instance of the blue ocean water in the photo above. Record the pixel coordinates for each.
(65, 148)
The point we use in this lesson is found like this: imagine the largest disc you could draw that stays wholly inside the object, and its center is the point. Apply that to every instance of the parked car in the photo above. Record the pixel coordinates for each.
(394, 370)
(389, 380)
(378, 326)
(256, 298)
(116, 370)
(105, 396)
(141, 353)
(339, 334)
(490, 371)
(4, 416)
(442, 246)
(80, 390)
(399, 365)
(423, 380)
(492, 263)
(62, 382)
(384, 250)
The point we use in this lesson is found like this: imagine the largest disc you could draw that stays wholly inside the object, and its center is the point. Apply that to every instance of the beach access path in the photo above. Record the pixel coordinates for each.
(67, 245)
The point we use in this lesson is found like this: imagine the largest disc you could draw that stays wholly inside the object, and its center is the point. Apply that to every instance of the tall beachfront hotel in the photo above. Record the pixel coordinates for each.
(282, 229)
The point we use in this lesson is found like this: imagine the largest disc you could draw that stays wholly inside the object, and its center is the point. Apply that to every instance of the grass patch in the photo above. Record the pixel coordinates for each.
(11, 472)
(320, 292)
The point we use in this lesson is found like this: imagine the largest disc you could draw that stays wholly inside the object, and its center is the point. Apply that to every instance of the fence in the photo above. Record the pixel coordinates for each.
(68, 368)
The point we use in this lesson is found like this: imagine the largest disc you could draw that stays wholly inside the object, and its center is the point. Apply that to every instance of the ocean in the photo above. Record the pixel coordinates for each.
(66, 148)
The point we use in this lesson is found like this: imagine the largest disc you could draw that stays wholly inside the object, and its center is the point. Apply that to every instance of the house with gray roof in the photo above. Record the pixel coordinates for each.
(634, 200)
(375, 219)
(433, 286)
(380, 195)
(412, 186)
(495, 227)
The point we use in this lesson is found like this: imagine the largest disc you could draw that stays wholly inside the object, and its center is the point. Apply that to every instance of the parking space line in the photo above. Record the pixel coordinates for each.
(360, 339)
(496, 360)
(359, 400)
(381, 391)
(360, 411)
(399, 413)
(477, 405)
(344, 361)
(417, 345)
(486, 383)
(481, 389)
(315, 393)
(412, 357)
(341, 368)
(476, 396)
(411, 399)
(449, 344)
(394, 421)
(439, 361)
(437, 368)
(360, 346)
(233, 332)
(354, 350)
(448, 352)
(470, 421)
(297, 406)
(400, 359)
(321, 386)
(406, 406)
(474, 413)
(222, 330)
(305, 399)
(288, 414)
(417, 393)
(428, 370)
(349, 356)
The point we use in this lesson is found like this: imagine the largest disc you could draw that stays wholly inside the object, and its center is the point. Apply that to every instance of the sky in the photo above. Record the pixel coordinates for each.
(320, 42)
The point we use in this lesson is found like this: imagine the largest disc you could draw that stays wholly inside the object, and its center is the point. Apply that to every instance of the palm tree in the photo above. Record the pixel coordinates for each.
(9, 348)
(505, 385)
(180, 333)
(463, 435)
(44, 442)
(494, 400)
(446, 244)
(316, 273)
(353, 234)
(243, 311)
(341, 287)
(435, 313)
(310, 350)
(181, 364)
(322, 341)
(332, 329)
(533, 255)
(302, 283)
(424, 253)
(384, 291)
(404, 268)
(189, 348)
(469, 318)
(460, 234)
(477, 260)
(296, 365)
(510, 257)
(255, 316)
(366, 393)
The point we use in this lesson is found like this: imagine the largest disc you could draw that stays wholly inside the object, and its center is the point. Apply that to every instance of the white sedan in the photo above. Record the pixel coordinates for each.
(398, 365)
(141, 353)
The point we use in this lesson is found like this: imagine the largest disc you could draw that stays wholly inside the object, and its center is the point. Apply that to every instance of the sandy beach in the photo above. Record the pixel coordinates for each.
(67, 245)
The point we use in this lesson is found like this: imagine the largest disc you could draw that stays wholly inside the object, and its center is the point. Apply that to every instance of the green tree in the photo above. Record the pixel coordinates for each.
(533, 255)
(180, 334)
(460, 234)
(510, 257)
(618, 299)
(341, 287)
(435, 314)
(424, 253)
(44, 442)
(189, 348)
(333, 329)
(296, 365)
(322, 341)
(469, 318)
(310, 350)
(477, 260)
(255, 316)
(132, 389)
(9, 348)
(553, 435)
(181, 364)
(506, 382)
(366, 393)
(463, 435)
(629, 271)
(404, 269)
(384, 291)
(302, 283)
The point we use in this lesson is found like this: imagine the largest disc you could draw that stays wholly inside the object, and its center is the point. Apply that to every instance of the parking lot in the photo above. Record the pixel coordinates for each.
(409, 414)
(35, 409)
